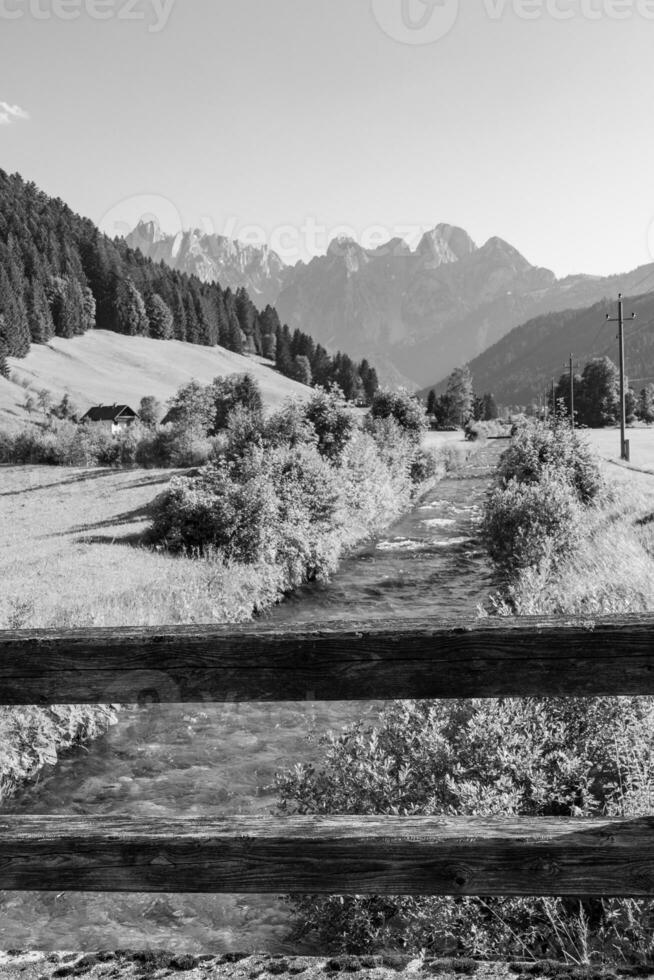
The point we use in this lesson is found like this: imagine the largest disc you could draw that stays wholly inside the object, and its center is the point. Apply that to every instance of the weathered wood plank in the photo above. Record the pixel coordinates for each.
(332, 662)
(321, 855)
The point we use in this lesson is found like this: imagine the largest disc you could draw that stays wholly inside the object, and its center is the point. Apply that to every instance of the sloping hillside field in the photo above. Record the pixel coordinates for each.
(101, 367)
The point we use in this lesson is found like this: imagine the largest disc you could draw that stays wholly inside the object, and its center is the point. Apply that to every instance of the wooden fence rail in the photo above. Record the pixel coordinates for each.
(314, 855)
(363, 855)
(335, 662)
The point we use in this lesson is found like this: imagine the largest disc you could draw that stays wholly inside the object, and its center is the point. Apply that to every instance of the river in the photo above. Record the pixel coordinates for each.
(220, 759)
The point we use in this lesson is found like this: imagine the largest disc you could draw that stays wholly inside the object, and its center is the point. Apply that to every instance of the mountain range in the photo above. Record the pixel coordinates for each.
(417, 313)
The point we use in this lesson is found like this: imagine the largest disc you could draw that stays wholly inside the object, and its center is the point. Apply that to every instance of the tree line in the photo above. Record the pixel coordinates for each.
(458, 404)
(596, 392)
(60, 276)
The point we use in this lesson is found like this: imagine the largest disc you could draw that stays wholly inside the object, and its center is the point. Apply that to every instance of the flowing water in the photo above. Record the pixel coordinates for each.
(195, 760)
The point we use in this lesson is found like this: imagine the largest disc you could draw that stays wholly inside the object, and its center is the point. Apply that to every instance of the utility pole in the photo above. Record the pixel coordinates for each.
(572, 392)
(624, 445)
(553, 399)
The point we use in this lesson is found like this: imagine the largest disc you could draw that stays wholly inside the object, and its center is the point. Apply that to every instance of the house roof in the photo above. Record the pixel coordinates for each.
(172, 415)
(109, 413)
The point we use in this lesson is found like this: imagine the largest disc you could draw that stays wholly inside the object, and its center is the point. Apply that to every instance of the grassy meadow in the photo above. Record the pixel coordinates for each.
(607, 444)
(72, 554)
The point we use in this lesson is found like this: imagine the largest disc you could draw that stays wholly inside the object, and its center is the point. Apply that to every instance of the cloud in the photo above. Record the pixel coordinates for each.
(8, 113)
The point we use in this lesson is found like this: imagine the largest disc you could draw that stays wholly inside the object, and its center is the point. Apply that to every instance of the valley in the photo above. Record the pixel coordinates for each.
(418, 314)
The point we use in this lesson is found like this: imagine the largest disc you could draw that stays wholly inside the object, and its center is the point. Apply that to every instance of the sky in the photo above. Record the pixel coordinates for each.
(292, 121)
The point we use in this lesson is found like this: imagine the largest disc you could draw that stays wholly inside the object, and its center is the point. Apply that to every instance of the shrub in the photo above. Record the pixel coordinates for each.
(537, 757)
(424, 466)
(395, 447)
(150, 411)
(213, 510)
(524, 523)
(231, 392)
(537, 446)
(408, 412)
(309, 516)
(279, 507)
(244, 430)
(289, 426)
(333, 421)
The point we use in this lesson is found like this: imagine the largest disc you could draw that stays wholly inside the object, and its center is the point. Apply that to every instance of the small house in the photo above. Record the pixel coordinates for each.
(115, 418)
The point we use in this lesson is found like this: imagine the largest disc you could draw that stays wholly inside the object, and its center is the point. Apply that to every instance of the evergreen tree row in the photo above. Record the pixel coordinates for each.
(298, 356)
(60, 276)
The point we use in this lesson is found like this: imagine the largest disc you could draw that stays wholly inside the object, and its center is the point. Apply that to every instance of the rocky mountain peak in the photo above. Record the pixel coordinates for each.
(445, 244)
(148, 232)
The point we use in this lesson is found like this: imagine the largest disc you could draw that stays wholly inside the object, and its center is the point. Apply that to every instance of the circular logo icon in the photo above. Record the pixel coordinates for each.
(416, 21)
(126, 215)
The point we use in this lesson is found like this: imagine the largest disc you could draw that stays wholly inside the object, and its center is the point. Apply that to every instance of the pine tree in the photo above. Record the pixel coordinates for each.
(12, 309)
(269, 346)
(191, 317)
(131, 316)
(89, 309)
(369, 381)
(302, 372)
(283, 359)
(159, 316)
(39, 313)
(179, 316)
(4, 351)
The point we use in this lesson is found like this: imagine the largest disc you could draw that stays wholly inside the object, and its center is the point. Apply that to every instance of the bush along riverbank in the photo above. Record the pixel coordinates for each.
(568, 541)
(293, 493)
(280, 503)
(530, 756)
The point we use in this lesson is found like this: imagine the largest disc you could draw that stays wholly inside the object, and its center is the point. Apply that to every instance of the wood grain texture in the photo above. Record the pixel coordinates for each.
(332, 662)
(321, 855)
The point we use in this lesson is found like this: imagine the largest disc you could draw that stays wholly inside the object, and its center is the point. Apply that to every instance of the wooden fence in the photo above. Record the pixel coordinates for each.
(322, 855)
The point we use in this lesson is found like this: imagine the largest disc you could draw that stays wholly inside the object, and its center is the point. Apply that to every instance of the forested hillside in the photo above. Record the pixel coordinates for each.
(520, 367)
(60, 276)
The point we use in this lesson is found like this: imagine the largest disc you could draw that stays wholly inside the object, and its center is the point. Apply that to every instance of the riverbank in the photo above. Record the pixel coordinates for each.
(611, 569)
(219, 759)
(73, 555)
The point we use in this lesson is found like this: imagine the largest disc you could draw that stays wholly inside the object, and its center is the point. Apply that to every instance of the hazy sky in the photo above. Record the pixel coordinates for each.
(529, 120)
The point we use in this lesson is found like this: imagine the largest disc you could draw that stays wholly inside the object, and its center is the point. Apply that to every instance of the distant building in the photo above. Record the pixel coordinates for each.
(116, 418)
